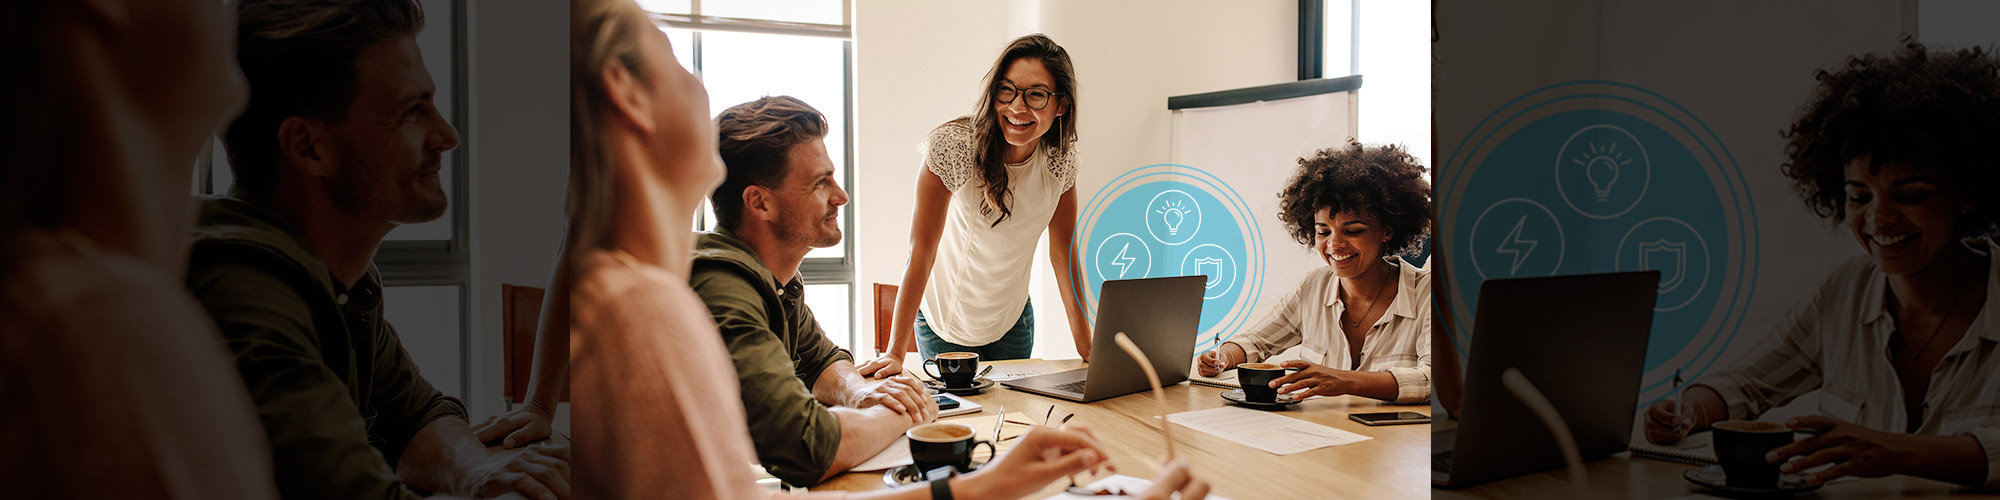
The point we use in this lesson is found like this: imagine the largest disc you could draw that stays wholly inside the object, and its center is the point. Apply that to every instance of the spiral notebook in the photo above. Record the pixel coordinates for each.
(1697, 449)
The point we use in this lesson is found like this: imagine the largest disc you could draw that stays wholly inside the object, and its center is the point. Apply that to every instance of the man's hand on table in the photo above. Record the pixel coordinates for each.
(881, 367)
(524, 425)
(540, 471)
(902, 394)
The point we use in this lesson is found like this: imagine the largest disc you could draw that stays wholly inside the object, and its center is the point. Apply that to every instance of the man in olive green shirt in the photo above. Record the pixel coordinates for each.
(283, 265)
(811, 415)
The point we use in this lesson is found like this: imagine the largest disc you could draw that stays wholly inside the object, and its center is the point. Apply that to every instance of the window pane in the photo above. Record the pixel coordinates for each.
(426, 317)
(683, 44)
(667, 6)
(798, 11)
(224, 178)
(1339, 46)
(435, 41)
(829, 305)
(741, 67)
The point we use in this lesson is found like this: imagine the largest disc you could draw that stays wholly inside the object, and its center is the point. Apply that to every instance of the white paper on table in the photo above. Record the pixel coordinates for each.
(1016, 370)
(1273, 433)
(1121, 482)
(896, 455)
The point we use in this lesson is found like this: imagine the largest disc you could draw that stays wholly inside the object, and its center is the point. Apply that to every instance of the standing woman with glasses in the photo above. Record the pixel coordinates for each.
(990, 184)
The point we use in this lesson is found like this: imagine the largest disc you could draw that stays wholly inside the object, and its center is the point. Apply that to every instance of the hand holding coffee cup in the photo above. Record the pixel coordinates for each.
(1741, 447)
(937, 445)
(1256, 379)
(959, 369)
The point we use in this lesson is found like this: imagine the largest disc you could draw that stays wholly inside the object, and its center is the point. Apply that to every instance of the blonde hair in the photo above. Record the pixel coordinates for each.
(601, 32)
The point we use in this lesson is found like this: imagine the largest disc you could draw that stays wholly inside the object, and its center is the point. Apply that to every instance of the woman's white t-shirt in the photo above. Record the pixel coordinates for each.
(979, 282)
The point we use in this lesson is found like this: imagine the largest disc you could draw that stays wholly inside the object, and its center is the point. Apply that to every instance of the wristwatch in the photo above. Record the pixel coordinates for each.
(941, 489)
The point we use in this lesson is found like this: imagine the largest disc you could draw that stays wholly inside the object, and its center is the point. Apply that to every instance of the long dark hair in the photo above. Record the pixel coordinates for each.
(988, 143)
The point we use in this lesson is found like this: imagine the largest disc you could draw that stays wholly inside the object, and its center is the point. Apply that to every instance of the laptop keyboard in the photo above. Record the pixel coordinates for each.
(1076, 387)
(1441, 462)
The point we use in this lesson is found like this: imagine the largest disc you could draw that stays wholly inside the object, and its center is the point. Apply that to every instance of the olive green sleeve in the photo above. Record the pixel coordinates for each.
(794, 435)
(320, 446)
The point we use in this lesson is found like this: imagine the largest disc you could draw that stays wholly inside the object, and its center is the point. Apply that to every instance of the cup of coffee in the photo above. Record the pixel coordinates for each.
(959, 368)
(1740, 446)
(935, 445)
(1256, 379)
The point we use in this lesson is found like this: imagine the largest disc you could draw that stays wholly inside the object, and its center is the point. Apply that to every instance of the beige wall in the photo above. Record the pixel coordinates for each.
(919, 63)
(519, 146)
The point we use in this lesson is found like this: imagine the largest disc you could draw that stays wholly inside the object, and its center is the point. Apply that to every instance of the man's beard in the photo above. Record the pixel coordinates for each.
(353, 196)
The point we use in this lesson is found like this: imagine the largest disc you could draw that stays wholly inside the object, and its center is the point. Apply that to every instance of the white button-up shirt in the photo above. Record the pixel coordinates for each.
(1837, 341)
(1398, 343)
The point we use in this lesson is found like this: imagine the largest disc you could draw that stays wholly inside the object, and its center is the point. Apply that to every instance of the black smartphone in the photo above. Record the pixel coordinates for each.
(1392, 418)
(945, 403)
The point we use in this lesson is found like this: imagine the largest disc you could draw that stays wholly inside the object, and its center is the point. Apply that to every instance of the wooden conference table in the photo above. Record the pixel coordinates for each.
(1624, 476)
(1393, 465)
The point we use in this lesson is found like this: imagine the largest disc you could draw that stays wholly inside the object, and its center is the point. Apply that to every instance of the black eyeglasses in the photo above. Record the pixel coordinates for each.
(1037, 98)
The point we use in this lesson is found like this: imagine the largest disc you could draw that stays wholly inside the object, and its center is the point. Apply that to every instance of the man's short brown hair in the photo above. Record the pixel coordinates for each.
(299, 57)
(756, 140)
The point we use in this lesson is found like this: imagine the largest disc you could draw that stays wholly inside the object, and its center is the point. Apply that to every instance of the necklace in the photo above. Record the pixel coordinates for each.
(1372, 303)
(1951, 308)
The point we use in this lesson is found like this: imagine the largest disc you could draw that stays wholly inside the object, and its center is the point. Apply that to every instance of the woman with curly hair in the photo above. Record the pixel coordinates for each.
(1365, 318)
(1896, 150)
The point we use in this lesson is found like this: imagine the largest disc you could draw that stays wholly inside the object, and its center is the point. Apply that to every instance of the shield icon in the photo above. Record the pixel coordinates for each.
(1211, 267)
(1669, 257)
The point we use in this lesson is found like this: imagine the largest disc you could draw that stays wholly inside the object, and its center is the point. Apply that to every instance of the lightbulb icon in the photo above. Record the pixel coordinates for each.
(1171, 214)
(1601, 167)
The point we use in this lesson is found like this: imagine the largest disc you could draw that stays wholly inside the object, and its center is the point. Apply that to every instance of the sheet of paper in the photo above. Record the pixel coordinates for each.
(898, 453)
(1117, 483)
(1010, 370)
(1270, 432)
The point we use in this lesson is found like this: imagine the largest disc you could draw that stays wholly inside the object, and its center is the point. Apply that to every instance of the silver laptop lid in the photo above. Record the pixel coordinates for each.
(1160, 315)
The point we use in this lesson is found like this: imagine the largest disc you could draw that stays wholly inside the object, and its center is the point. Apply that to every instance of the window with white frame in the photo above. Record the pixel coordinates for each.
(743, 50)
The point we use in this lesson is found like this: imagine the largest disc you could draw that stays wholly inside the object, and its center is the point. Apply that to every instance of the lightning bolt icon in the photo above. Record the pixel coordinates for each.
(1124, 263)
(1513, 245)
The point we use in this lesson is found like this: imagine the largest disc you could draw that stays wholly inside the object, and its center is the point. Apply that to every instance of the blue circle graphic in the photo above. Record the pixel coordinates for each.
(1174, 220)
(1596, 177)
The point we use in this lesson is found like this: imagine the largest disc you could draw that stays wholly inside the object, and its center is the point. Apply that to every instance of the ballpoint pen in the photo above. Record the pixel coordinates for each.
(1680, 406)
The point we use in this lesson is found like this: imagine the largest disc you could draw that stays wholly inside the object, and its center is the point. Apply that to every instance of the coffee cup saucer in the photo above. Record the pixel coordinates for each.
(1712, 477)
(908, 474)
(1236, 396)
(978, 385)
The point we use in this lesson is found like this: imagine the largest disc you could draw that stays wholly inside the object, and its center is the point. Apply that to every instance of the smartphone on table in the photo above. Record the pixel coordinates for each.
(1390, 418)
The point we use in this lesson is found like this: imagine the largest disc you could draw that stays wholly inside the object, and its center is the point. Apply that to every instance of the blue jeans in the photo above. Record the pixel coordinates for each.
(1018, 343)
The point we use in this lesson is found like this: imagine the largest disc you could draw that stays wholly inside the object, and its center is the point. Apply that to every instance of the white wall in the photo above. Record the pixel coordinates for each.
(919, 64)
(518, 140)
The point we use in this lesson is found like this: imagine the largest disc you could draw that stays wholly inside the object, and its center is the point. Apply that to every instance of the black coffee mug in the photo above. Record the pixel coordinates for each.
(1740, 446)
(935, 445)
(1256, 379)
(960, 368)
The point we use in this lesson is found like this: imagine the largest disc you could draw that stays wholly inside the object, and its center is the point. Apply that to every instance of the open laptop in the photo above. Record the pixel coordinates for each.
(1581, 340)
(1159, 315)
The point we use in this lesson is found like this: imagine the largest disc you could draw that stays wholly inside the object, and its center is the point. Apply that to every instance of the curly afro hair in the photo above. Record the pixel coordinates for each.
(1384, 181)
(1936, 111)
